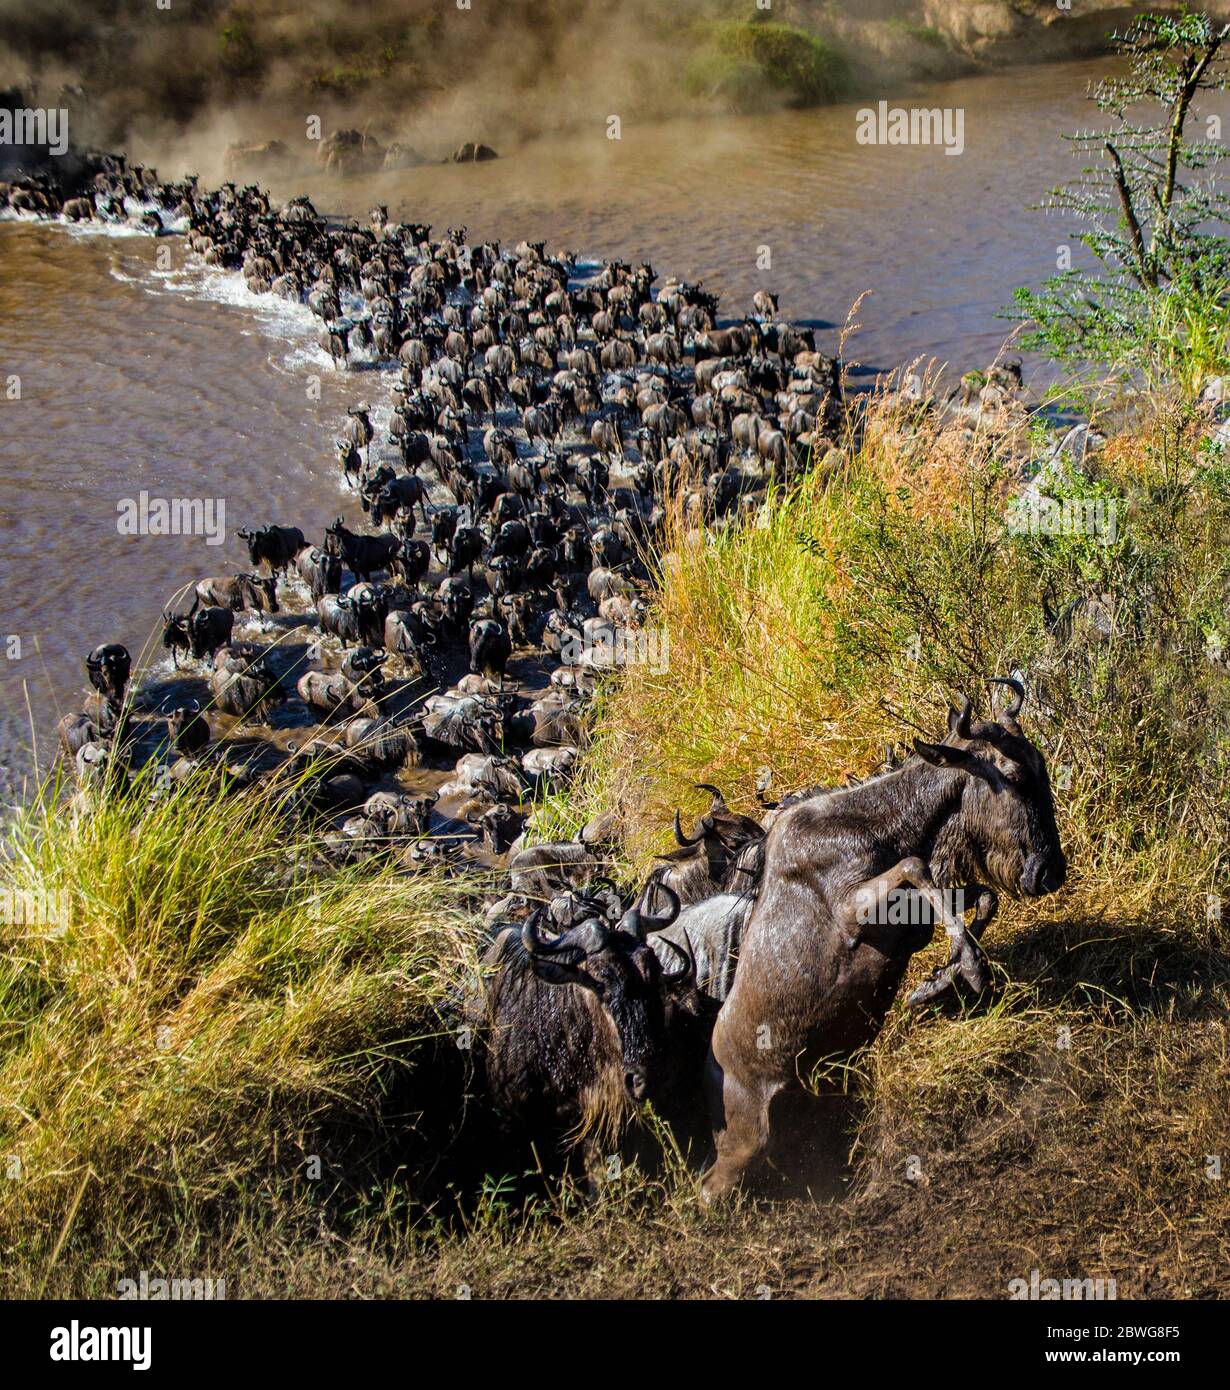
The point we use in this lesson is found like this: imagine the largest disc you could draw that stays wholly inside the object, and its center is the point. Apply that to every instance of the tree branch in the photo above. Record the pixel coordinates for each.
(1193, 75)
(1142, 270)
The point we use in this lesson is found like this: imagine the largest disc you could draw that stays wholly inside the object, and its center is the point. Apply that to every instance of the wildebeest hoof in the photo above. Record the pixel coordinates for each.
(934, 987)
(974, 968)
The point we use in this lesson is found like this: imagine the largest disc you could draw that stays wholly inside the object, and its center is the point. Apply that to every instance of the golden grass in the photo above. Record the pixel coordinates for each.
(211, 1013)
(200, 1015)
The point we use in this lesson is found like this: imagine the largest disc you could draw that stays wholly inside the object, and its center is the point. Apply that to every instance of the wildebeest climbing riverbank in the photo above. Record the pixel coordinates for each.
(543, 418)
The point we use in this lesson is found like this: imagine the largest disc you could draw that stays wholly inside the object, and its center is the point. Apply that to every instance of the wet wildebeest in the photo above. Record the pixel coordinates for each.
(188, 729)
(713, 931)
(579, 1025)
(200, 631)
(350, 689)
(242, 682)
(541, 871)
(723, 853)
(826, 947)
(354, 618)
(277, 546)
(322, 573)
(108, 668)
(362, 555)
(101, 724)
(242, 590)
(490, 648)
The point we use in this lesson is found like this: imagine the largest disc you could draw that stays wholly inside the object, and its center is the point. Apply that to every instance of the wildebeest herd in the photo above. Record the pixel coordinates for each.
(412, 684)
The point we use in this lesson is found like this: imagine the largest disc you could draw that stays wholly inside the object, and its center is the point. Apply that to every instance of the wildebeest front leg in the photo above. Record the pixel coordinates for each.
(967, 957)
(942, 979)
(867, 905)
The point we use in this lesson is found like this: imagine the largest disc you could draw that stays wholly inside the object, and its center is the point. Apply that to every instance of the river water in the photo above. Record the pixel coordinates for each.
(140, 371)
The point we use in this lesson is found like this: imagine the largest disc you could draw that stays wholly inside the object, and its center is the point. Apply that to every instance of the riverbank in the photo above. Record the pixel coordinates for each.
(194, 1048)
(183, 86)
(214, 1071)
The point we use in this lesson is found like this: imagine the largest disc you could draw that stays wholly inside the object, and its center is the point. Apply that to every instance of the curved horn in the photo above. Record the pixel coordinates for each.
(959, 719)
(657, 923)
(1013, 708)
(680, 838)
(718, 798)
(686, 973)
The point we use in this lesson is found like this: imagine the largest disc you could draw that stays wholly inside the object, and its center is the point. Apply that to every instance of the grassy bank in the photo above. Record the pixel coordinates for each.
(215, 1064)
(195, 1030)
(748, 66)
(843, 616)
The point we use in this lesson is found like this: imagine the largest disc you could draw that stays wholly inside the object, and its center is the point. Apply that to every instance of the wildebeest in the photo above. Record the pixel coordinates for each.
(384, 743)
(826, 945)
(363, 555)
(490, 648)
(712, 930)
(108, 668)
(188, 730)
(242, 590)
(355, 618)
(320, 571)
(349, 689)
(578, 1025)
(542, 871)
(711, 860)
(276, 546)
(242, 682)
(201, 631)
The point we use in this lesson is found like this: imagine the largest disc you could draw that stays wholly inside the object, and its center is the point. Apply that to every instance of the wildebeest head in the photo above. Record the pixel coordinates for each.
(333, 536)
(176, 630)
(253, 540)
(1006, 825)
(108, 668)
(705, 861)
(617, 966)
(361, 663)
(188, 728)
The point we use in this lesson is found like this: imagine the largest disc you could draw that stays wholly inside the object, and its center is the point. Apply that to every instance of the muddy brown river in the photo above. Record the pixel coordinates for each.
(142, 372)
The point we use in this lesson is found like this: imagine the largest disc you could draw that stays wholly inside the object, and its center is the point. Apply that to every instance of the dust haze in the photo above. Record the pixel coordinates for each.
(175, 86)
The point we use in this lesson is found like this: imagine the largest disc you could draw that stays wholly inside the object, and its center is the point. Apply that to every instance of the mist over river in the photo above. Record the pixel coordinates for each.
(178, 382)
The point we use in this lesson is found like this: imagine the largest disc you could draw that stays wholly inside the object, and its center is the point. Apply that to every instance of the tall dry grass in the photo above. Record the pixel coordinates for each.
(849, 611)
(188, 1014)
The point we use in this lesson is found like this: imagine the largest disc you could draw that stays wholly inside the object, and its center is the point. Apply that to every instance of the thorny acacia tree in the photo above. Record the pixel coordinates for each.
(1151, 209)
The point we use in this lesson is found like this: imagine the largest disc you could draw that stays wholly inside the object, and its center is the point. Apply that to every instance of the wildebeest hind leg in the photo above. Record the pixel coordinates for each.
(742, 1131)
